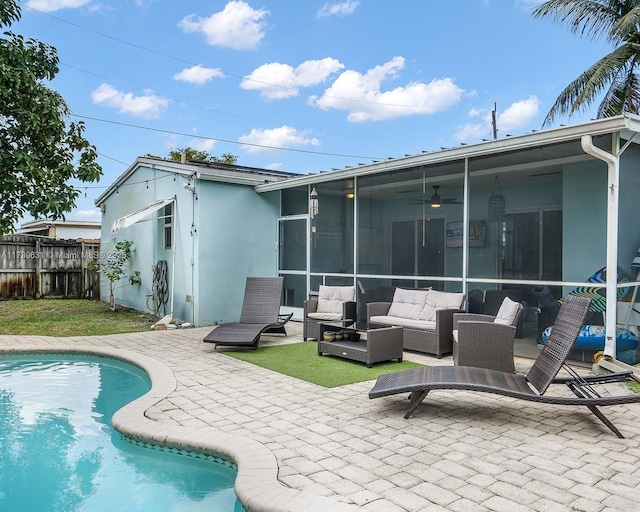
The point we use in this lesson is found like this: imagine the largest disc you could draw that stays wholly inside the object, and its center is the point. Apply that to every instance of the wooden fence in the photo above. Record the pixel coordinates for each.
(34, 267)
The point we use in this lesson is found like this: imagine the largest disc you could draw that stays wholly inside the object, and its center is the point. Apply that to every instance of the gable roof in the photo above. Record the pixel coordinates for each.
(219, 172)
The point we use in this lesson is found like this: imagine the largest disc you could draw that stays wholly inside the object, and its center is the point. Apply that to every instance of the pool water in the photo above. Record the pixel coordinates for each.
(58, 451)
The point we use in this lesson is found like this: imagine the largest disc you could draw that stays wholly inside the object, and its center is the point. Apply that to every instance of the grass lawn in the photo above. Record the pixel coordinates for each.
(301, 360)
(69, 317)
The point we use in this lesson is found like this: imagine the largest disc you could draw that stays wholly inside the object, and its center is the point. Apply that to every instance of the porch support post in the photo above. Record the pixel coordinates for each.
(613, 164)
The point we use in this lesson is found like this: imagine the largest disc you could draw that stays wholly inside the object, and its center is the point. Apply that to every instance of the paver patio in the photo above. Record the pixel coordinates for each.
(337, 450)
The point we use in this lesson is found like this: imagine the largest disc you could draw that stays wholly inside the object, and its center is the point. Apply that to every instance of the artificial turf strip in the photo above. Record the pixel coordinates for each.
(301, 360)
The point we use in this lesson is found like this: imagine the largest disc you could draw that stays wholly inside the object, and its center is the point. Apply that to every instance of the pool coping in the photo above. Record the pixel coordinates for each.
(256, 486)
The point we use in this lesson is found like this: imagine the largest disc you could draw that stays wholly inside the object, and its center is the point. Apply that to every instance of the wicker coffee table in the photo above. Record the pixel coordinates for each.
(373, 345)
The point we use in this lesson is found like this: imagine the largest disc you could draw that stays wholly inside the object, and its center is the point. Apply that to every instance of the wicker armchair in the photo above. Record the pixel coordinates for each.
(334, 303)
(486, 341)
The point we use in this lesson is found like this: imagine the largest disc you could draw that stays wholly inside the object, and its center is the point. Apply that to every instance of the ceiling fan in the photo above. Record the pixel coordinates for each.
(436, 200)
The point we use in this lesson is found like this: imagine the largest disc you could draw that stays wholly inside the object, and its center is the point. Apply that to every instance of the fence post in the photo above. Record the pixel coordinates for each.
(83, 263)
(36, 278)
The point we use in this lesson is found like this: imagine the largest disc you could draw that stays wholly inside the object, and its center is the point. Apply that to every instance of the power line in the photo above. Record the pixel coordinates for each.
(217, 139)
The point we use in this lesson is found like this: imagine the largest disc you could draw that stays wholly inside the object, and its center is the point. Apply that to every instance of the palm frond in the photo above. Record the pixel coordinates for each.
(614, 100)
(591, 18)
(626, 28)
(584, 90)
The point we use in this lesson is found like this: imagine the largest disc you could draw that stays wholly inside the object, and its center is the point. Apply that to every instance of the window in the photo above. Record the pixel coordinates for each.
(167, 226)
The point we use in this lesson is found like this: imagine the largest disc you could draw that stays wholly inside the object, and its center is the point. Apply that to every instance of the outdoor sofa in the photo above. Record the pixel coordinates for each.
(425, 315)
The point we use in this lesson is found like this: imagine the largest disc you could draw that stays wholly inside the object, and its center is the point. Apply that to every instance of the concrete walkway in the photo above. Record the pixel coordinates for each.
(300, 447)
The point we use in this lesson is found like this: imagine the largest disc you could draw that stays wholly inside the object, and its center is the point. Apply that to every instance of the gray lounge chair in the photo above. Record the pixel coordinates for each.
(532, 386)
(260, 313)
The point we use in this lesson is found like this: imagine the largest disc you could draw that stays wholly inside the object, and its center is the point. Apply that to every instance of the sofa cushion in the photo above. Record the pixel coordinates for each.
(408, 303)
(325, 316)
(395, 321)
(507, 312)
(330, 298)
(440, 300)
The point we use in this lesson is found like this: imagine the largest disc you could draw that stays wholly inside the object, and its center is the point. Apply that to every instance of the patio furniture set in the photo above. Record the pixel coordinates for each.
(478, 366)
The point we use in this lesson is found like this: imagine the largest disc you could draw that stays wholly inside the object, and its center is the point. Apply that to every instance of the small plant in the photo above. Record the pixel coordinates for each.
(113, 266)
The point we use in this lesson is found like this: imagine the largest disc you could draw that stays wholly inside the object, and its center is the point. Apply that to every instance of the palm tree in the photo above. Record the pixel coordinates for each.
(616, 73)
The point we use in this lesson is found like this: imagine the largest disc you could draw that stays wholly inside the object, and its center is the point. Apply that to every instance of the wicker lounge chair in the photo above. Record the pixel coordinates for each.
(418, 382)
(260, 313)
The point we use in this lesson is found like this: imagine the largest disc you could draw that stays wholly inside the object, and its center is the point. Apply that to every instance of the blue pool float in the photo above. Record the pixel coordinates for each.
(591, 337)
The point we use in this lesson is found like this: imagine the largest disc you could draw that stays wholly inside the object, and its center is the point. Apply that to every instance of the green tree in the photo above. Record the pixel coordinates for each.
(615, 75)
(39, 150)
(201, 156)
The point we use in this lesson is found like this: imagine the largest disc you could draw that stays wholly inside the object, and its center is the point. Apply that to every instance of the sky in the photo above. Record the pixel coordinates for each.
(301, 86)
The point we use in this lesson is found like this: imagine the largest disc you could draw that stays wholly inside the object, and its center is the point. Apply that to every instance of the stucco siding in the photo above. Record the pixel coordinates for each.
(236, 239)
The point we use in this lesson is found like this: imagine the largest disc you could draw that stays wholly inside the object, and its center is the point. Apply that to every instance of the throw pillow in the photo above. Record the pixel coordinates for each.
(507, 313)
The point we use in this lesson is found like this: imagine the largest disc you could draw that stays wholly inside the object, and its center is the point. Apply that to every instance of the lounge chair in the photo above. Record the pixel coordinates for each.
(532, 386)
(260, 313)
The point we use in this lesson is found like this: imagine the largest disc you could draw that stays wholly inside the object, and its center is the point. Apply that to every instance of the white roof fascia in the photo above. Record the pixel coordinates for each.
(141, 214)
(154, 163)
(230, 177)
(626, 124)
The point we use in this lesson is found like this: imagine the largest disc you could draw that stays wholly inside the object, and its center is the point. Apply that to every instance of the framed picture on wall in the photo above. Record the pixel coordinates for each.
(477, 230)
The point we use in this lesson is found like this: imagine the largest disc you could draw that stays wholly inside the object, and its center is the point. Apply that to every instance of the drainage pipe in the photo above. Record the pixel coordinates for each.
(613, 179)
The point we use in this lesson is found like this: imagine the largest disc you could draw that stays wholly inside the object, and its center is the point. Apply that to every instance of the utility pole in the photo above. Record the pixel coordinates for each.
(493, 121)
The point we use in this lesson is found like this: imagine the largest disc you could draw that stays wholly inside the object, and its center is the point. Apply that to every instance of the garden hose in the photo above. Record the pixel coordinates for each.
(159, 287)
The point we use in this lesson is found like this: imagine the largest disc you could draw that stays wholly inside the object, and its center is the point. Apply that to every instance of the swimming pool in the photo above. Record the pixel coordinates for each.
(58, 451)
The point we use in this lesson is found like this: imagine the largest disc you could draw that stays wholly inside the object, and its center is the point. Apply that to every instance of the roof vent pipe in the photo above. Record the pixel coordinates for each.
(612, 244)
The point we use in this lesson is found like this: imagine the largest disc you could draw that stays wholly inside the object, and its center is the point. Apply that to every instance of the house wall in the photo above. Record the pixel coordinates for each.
(73, 233)
(629, 223)
(143, 187)
(236, 239)
(584, 219)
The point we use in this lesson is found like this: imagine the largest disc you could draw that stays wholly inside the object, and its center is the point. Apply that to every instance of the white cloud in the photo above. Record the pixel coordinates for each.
(198, 75)
(202, 144)
(237, 26)
(516, 116)
(474, 131)
(519, 114)
(87, 215)
(275, 139)
(148, 106)
(361, 95)
(276, 81)
(54, 5)
(341, 9)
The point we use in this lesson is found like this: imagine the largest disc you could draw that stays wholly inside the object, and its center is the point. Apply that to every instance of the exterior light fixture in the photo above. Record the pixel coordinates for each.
(436, 200)
(313, 203)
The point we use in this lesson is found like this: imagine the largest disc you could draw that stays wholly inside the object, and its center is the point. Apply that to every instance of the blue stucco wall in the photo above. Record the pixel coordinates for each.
(629, 222)
(142, 188)
(236, 239)
(224, 233)
(584, 219)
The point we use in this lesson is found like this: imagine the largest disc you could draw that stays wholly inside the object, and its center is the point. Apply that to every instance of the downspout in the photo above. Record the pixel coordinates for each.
(613, 165)
(173, 257)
